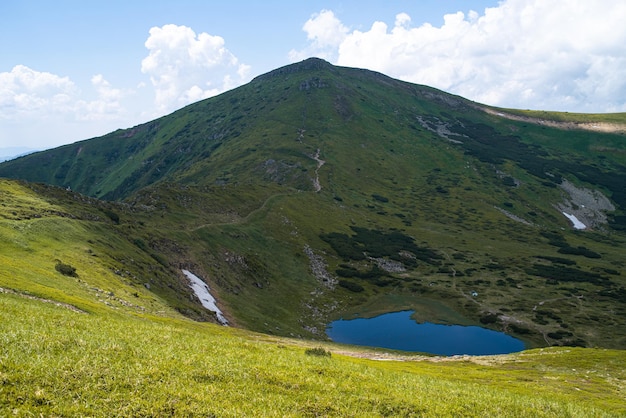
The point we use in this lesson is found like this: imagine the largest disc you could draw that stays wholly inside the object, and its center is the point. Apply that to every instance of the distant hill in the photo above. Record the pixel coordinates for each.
(10, 153)
(318, 191)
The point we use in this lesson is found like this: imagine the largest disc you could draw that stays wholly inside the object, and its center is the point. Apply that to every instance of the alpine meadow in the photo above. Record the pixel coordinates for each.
(317, 192)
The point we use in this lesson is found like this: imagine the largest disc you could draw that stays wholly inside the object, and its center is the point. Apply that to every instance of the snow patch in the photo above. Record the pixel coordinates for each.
(575, 221)
(201, 289)
(587, 205)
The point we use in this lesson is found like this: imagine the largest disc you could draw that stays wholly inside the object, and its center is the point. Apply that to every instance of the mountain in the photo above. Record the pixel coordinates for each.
(318, 191)
(10, 153)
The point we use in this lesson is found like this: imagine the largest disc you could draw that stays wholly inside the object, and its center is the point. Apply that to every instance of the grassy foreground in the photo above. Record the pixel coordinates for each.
(59, 362)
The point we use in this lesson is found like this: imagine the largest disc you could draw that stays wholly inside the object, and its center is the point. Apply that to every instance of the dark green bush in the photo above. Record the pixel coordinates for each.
(317, 351)
(558, 260)
(557, 273)
(112, 215)
(489, 318)
(519, 329)
(619, 294)
(368, 242)
(509, 181)
(140, 243)
(351, 286)
(66, 269)
(347, 272)
(585, 252)
(557, 335)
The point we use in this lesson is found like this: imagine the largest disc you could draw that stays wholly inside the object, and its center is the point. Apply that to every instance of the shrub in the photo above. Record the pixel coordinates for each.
(351, 286)
(489, 318)
(377, 244)
(558, 260)
(509, 181)
(585, 252)
(112, 215)
(140, 243)
(559, 273)
(317, 351)
(519, 329)
(66, 269)
(557, 335)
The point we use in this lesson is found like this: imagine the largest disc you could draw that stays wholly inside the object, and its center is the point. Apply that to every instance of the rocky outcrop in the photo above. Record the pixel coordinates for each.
(587, 205)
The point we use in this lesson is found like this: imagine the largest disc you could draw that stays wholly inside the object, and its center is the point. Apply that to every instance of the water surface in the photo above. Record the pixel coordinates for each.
(398, 331)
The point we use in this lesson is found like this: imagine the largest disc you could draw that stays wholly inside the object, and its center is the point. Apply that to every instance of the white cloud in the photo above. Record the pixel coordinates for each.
(565, 55)
(42, 109)
(185, 67)
(325, 33)
(28, 94)
(107, 105)
(24, 92)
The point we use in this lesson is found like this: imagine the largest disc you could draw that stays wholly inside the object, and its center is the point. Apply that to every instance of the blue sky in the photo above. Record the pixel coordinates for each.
(72, 70)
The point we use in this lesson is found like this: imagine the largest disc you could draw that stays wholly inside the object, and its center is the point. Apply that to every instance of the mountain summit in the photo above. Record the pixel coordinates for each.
(317, 191)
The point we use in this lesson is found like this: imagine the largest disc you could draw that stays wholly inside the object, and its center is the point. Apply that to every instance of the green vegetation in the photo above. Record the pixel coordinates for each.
(376, 244)
(103, 344)
(57, 362)
(317, 351)
(580, 118)
(66, 269)
(315, 192)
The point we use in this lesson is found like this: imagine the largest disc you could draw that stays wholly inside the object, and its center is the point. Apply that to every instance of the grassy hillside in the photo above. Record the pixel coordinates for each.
(98, 341)
(317, 191)
(66, 247)
(59, 362)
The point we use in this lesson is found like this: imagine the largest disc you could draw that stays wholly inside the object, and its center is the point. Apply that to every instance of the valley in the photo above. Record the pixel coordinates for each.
(317, 192)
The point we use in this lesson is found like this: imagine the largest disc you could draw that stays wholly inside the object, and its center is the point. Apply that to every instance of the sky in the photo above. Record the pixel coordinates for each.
(75, 69)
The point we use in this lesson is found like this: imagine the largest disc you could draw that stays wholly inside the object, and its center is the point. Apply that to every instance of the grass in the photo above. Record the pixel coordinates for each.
(235, 204)
(56, 362)
(266, 226)
(125, 350)
(39, 234)
(616, 118)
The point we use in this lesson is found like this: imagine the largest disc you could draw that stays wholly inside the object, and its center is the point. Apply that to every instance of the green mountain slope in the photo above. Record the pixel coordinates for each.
(91, 325)
(64, 247)
(318, 191)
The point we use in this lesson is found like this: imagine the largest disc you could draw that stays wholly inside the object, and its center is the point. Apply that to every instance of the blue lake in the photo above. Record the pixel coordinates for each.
(398, 331)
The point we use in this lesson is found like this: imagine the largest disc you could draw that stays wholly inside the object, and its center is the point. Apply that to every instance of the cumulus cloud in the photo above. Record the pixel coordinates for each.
(566, 55)
(185, 67)
(325, 33)
(43, 109)
(107, 105)
(26, 93)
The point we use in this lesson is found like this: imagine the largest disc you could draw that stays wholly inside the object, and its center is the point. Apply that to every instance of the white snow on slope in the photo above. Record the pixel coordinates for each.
(201, 290)
(575, 221)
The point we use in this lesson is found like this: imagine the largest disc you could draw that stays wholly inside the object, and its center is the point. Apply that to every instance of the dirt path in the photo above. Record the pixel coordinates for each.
(587, 126)
(388, 356)
(54, 302)
(320, 163)
(243, 219)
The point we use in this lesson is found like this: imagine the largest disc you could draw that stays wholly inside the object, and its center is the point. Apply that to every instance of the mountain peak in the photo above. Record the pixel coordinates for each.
(309, 64)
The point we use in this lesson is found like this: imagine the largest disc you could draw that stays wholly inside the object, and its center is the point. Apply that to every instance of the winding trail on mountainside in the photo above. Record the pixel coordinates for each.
(316, 185)
(606, 127)
(320, 163)
(54, 302)
(245, 218)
